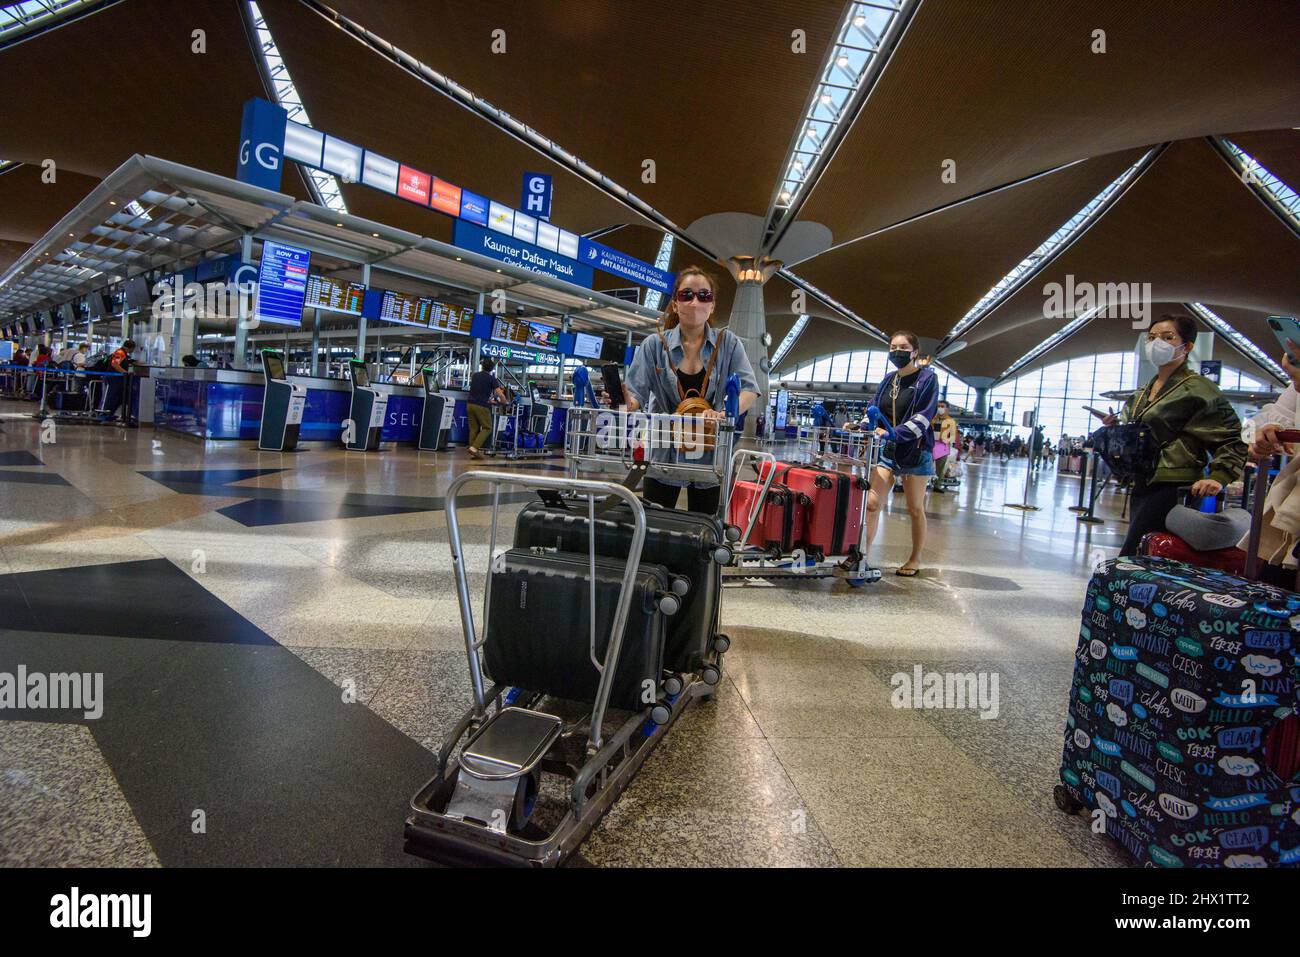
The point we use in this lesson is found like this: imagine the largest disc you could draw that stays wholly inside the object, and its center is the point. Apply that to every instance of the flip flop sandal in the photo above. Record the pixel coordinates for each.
(907, 572)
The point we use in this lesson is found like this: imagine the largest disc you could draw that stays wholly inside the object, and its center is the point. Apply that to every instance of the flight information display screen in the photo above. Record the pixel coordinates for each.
(326, 293)
(281, 284)
(509, 329)
(452, 318)
(407, 310)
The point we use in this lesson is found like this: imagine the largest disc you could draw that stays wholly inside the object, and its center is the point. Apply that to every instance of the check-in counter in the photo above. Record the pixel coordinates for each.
(227, 404)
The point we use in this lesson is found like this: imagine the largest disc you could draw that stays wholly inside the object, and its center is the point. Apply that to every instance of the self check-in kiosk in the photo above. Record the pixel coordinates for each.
(282, 406)
(436, 419)
(367, 412)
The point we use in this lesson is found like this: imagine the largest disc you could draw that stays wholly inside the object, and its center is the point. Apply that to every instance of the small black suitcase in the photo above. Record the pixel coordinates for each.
(538, 628)
(685, 543)
(68, 401)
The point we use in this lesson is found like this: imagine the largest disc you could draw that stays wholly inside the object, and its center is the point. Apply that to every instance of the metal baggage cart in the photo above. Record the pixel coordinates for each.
(513, 744)
(855, 452)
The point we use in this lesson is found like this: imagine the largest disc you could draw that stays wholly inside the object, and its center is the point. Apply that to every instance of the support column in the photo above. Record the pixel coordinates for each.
(981, 384)
(476, 350)
(241, 325)
(559, 372)
(361, 320)
(749, 322)
(315, 342)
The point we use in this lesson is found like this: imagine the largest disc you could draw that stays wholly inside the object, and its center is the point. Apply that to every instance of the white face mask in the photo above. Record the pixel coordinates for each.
(1160, 352)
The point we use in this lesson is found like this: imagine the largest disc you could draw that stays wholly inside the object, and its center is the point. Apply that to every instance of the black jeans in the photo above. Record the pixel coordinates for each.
(1148, 507)
(704, 500)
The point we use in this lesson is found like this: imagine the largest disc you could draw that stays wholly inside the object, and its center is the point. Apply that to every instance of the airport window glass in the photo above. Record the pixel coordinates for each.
(858, 363)
(822, 369)
(1062, 389)
(839, 367)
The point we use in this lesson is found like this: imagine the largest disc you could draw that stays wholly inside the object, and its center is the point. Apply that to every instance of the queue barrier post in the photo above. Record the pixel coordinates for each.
(1088, 518)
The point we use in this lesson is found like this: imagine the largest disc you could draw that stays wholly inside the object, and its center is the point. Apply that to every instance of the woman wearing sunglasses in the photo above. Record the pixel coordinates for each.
(687, 359)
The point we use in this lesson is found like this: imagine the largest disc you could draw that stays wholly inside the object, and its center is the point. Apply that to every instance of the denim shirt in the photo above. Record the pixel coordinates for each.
(651, 376)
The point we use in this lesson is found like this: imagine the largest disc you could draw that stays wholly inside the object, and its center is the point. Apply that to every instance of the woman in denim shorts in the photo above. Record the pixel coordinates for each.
(907, 400)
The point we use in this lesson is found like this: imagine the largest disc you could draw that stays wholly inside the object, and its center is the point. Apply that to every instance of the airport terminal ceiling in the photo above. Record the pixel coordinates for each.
(936, 189)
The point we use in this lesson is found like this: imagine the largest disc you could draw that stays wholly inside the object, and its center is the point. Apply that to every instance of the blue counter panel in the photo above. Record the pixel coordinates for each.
(224, 410)
(459, 423)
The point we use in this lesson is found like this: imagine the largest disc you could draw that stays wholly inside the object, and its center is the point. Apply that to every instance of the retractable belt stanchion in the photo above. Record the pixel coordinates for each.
(1088, 518)
(1083, 485)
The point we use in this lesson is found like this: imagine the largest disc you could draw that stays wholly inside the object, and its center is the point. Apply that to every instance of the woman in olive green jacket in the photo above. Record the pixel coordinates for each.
(1193, 424)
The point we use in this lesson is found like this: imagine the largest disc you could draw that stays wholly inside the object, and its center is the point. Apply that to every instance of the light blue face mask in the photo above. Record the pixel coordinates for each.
(1160, 352)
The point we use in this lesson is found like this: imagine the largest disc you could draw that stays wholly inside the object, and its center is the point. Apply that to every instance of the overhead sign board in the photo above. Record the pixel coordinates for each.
(516, 252)
(618, 263)
(535, 197)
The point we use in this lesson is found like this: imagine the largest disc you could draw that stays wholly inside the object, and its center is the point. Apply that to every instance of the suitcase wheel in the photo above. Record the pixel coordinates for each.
(673, 686)
(660, 714)
(721, 643)
(711, 675)
(1065, 800)
(732, 533)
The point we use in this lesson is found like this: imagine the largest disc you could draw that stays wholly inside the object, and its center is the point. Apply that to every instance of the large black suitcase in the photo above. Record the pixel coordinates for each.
(538, 629)
(685, 543)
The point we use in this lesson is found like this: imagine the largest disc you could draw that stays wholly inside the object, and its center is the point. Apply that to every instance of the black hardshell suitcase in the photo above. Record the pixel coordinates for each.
(685, 543)
(538, 634)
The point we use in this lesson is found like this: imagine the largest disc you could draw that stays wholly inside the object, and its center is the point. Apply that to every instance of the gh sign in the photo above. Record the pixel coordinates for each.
(536, 197)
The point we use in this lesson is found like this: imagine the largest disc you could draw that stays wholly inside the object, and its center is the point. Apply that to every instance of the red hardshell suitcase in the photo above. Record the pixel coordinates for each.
(1168, 545)
(833, 518)
(779, 525)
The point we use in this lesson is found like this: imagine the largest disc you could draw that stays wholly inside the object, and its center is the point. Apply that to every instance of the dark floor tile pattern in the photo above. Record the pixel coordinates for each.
(19, 457)
(32, 478)
(243, 730)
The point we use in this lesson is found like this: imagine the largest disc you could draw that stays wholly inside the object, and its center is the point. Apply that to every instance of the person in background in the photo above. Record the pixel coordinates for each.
(823, 417)
(484, 389)
(823, 414)
(116, 394)
(1192, 423)
(42, 362)
(80, 355)
(907, 400)
(945, 443)
(1036, 448)
(1280, 523)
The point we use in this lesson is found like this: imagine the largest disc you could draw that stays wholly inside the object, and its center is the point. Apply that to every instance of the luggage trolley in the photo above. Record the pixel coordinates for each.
(848, 451)
(516, 743)
(512, 433)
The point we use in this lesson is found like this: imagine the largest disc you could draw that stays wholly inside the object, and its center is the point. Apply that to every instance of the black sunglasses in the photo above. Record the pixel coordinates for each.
(689, 295)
